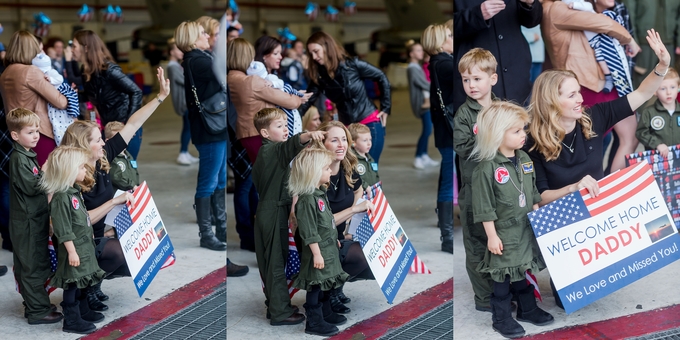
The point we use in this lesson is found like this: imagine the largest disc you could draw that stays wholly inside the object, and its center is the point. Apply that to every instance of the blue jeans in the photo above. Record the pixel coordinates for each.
(4, 209)
(421, 149)
(535, 71)
(186, 133)
(445, 189)
(245, 206)
(212, 168)
(135, 144)
(378, 136)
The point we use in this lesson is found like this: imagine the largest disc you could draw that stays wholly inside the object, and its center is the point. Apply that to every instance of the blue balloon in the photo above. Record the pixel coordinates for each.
(331, 10)
(233, 6)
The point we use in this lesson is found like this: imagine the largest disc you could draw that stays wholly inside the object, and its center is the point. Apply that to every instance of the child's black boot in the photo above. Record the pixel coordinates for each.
(336, 305)
(93, 300)
(329, 315)
(502, 317)
(316, 325)
(528, 311)
(86, 313)
(73, 323)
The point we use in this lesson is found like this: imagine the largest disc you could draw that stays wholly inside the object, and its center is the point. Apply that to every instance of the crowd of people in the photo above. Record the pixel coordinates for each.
(532, 126)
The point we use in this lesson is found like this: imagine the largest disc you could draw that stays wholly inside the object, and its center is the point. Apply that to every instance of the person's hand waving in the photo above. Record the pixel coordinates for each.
(657, 45)
(165, 84)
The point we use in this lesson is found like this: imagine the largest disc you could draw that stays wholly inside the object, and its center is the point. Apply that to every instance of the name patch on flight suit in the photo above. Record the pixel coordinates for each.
(528, 167)
(361, 169)
(133, 163)
(678, 118)
(657, 123)
(502, 175)
(75, 203)
(374, 166)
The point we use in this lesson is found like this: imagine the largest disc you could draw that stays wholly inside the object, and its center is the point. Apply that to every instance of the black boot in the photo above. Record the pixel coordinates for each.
(528, 311)
(329, 315)
(502, 318)
(73, 323)
(98, 292)
(218, 203)
(316, 325)
(336, 305)
(86, 313)
(208, 240)
(93, 301)
(445, 223)
(341, 296)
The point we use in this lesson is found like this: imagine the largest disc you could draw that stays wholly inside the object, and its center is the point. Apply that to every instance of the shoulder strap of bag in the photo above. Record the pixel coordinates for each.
(191, 81)
(433, 74)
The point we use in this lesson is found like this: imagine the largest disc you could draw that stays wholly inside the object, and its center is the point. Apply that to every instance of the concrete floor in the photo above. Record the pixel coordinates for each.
(412, 195)
(173, 189)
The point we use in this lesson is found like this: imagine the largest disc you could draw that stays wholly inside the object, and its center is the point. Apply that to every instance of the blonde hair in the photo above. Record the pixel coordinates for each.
(493, 121)
(433, 38)
(240, 53)
(266, 116)
(478, 57)
(186, 35)
(62, 168)
(349, 163)
(307, 170)
(545, 110)
(210, 24)
(356, 128)
(672, 74)
(20, 118)
(112, 128)
(78, 134)
(23, 46)
(307, 118)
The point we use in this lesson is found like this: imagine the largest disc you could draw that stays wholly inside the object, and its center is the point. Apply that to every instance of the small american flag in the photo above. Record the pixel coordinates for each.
(292, 264)
(614, 189)
(419, 267)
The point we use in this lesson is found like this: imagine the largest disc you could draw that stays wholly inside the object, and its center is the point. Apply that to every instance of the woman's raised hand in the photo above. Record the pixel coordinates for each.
(659, 48)
(165, 84)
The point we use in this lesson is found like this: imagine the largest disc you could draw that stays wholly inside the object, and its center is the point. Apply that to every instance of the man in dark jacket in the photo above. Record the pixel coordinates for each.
(494, 25)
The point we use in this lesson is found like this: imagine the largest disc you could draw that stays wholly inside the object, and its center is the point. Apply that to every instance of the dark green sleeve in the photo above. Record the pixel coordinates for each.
(483, 198)
(21, 174)
(307, 220)
(643, 132)
(463, 138)
(60, 211)
(286, 151)
(119, 179)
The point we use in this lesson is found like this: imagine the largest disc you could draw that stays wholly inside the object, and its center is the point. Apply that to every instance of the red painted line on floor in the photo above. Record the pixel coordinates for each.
(639, 324)
(130, 325)
(400, 314)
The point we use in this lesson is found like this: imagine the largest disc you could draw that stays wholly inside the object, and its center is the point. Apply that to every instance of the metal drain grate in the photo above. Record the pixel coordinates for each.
(670, 334)
(205, 319)
(435, 324)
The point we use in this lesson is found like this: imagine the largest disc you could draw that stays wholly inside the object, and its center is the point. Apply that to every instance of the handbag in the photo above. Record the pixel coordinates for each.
(447, 110)
(213, 110)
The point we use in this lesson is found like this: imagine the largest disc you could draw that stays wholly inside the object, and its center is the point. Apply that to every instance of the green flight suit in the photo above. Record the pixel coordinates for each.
(474, 237)
(657, 126)
(71, 222)
(496, 198)
(123, 172)
(367, 169)
(270, 176)
(316, 225)
(29, 229)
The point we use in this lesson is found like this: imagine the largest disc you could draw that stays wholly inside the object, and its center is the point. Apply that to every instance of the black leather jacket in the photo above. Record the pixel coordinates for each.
(348, 92)
(114, 94)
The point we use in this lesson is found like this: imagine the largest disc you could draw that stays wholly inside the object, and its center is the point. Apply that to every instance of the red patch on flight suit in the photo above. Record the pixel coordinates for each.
(322, 205)
(35, 171)
(75, 203)
(502, 175)
(474, 129)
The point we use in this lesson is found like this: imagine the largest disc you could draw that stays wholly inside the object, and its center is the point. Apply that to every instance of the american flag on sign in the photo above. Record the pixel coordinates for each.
(142, 197)
(614, 189)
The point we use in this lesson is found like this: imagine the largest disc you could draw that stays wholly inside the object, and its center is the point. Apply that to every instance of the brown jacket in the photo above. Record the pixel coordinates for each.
(25, 86)
(568, 47)
(251, 94)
